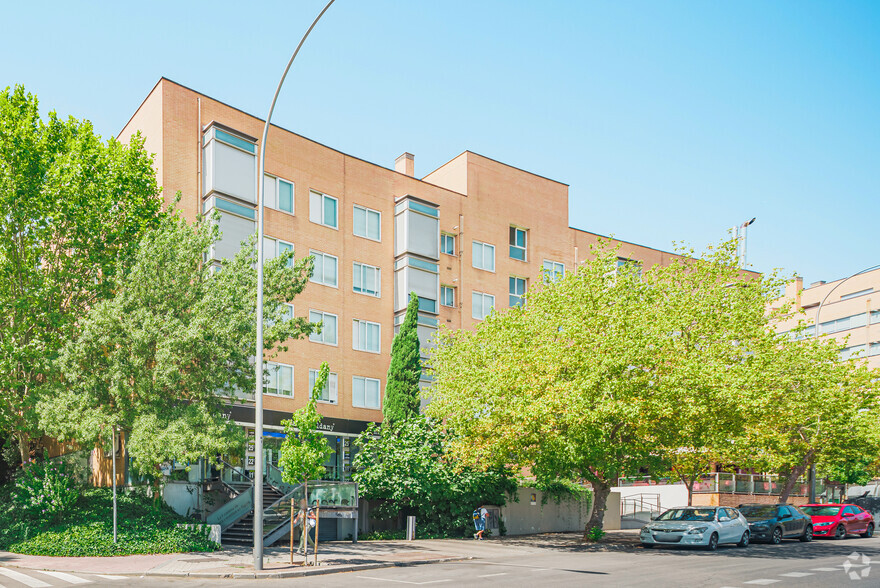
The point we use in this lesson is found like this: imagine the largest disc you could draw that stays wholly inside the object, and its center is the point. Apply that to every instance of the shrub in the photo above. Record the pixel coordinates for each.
(595, 534)
(46, 490)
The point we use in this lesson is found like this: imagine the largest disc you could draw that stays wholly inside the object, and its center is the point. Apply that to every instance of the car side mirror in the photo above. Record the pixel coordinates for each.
(848, 515)
(723, 519)
(785, 516)
(654, 516)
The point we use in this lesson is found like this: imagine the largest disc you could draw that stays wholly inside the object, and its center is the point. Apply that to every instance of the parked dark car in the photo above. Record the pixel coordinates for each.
(772, 523)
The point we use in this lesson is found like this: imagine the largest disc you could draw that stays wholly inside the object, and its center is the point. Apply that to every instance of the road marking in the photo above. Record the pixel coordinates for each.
(824, 570)
(66, 577)
(541, 570)
(796, 575)
(762, 581)
(493, 575)
(405, 581)
(108, 577)
(26, 580)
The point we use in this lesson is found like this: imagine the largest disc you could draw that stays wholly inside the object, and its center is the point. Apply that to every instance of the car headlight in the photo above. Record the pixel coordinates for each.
(828, 524)
(646, 531)
(760, 526)
(697, 531)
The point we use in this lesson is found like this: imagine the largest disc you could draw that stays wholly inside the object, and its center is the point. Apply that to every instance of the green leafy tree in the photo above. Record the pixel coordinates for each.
(305, 449)
(72, 209)
(563, 386)
(809, 407)
(160, 358)
(406, 467)
(402, 394)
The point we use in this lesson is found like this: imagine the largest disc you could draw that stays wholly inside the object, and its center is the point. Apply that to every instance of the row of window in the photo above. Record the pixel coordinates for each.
(365, 334)
(365, 392)
(484, 253)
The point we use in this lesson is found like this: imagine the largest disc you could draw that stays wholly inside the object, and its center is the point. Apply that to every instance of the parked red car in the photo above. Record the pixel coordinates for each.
(839, 520)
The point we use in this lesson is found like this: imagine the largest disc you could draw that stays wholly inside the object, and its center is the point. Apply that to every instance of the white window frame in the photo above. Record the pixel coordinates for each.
(367, 213)
(273, 371)
(274, 202)
(331, 386)
(452, 290)
(317, 217)
(322, 336)
(323, 258)
(524, 248)
(511, 295)
(447, 236)
(483, 296)
(359, 266)
(358, 328)
(551, 273)
(366, 379)
(482, 247)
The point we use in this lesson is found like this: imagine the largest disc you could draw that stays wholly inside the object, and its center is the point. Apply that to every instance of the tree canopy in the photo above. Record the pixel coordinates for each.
(72, 209)
(161, 357)
(305, 449)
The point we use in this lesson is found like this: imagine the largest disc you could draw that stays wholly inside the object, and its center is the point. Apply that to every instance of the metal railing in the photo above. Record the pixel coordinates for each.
(237, 508)
(725, 483)
(639, 503)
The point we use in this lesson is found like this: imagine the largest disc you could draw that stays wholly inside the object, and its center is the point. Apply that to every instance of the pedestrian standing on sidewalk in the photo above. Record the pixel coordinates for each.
(306, 518)
(481, 517)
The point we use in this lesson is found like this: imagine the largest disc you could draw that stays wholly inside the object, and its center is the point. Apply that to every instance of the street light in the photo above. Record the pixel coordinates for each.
(740, 233)
(258, 358)
(816, 334)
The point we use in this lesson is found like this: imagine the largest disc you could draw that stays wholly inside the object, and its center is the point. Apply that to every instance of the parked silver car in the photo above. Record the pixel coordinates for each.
(704, 526)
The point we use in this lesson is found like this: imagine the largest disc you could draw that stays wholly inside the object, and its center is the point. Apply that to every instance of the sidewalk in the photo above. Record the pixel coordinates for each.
(333, 557)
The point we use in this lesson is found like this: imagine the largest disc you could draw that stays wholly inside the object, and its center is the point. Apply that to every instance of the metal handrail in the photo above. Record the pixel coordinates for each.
(236, 469)
(233, 511)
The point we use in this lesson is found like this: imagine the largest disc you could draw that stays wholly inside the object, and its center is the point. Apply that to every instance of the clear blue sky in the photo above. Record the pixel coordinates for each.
(671, 121)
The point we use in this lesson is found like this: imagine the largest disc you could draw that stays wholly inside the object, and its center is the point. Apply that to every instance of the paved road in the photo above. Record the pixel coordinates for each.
(821, 563)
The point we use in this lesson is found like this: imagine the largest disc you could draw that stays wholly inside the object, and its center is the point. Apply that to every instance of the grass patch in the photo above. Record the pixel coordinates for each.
(143, 527)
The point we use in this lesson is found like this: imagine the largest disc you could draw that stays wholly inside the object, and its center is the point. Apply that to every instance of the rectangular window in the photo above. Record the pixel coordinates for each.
(322, 209)
(447, 296)
(325, 270)
(273, 248)
(366, 279)
(856, 294)
(278, 193)
(364, 392)
(447, 243)
(365, 336)
(517, 289)
(367, 223)
(278, 379)
(328, 332)
(517, 243)
(553, 270)
(843, 324)
(482, 305)
(330, 393)
(484, 256)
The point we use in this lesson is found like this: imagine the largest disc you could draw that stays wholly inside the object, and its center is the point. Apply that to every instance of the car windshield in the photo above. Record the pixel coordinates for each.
(758, 512)
(821, 511)
(688, 514)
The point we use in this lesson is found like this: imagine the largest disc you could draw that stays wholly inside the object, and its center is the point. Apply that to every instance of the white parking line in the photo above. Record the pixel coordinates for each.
(66, 577)
(796, 575)
(762, 581)
(824, 570)
(26, 580)
(493, 575)
(108, 577)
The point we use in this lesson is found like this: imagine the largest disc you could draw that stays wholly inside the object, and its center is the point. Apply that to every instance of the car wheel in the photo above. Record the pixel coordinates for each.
(840, 532)
(744, 540)
(776, 537)
(869, 532)
(808, 534)
(713, 542)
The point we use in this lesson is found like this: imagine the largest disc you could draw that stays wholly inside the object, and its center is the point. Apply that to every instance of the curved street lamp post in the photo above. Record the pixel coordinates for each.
(258, 358)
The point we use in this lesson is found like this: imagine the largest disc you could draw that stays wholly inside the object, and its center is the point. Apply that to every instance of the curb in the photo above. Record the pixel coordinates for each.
(305, 571)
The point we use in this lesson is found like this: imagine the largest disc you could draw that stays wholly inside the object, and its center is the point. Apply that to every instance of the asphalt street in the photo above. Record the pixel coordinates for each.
(821, 563)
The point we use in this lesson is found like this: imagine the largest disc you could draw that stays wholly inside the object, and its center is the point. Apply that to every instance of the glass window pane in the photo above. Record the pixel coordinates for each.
(315, 205)
(285, 196)
(330, 270)
(372, 393)
(330, 329)
(489, 257)
(286, 384)
(360, 221)
(357, 392)
(374, 230)
(329, 211)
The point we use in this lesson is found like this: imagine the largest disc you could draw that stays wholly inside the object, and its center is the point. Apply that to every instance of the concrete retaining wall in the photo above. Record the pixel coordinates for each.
(530, 516)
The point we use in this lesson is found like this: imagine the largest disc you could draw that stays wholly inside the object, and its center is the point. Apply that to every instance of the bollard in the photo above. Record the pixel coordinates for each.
(410, 528)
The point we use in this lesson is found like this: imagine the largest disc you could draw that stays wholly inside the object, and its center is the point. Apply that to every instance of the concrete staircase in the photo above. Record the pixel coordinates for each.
(242, 532)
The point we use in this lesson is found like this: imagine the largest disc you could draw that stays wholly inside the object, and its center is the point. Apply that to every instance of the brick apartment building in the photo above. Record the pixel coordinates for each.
(850, 313)
(470, 236)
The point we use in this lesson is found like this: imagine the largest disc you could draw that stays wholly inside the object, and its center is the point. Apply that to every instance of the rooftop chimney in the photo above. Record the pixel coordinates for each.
(405, 164)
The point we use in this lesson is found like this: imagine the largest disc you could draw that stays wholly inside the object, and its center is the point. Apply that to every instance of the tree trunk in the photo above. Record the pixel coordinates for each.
(793, 475)
(24, 447)
(690, 486)
(601, 490)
